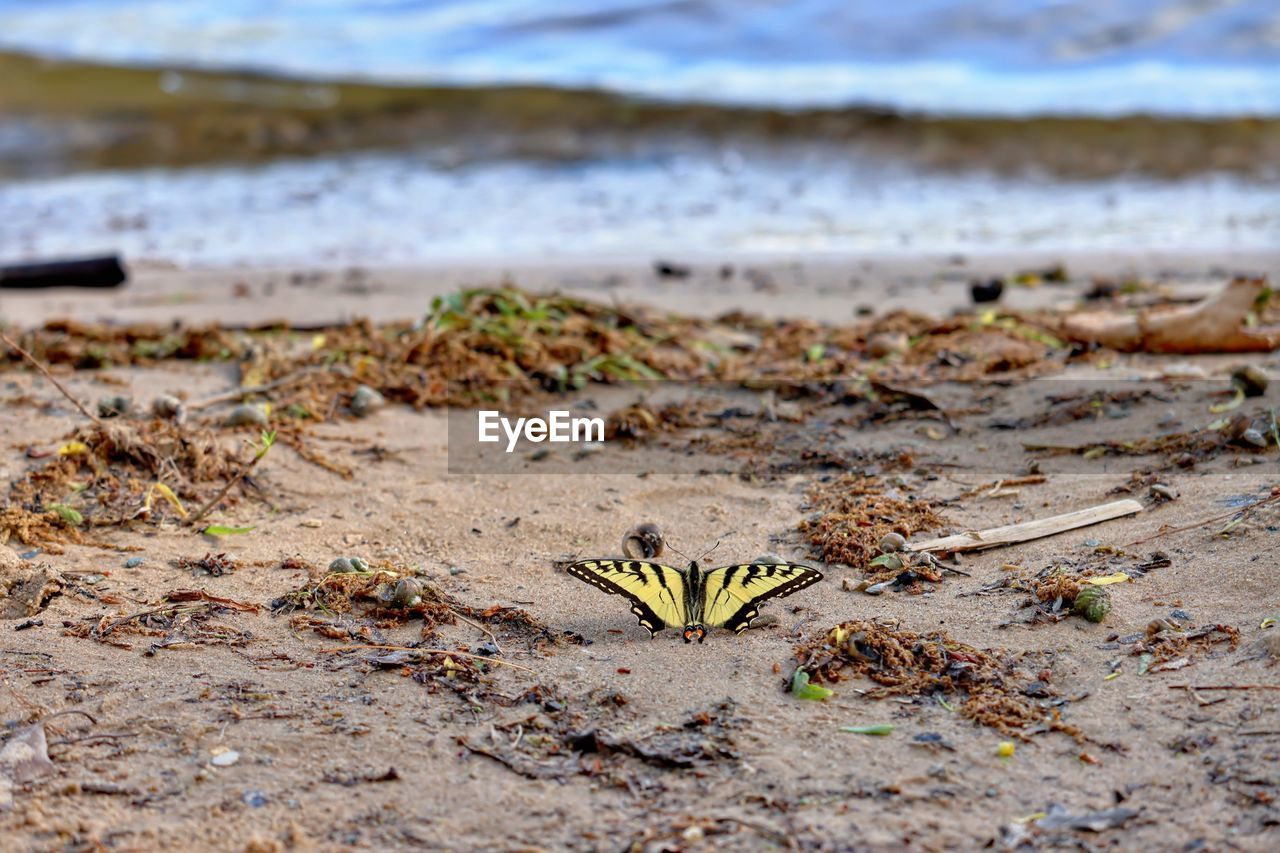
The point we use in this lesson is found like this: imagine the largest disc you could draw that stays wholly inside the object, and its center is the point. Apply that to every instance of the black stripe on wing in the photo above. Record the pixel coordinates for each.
(595, 572)
(767, 578)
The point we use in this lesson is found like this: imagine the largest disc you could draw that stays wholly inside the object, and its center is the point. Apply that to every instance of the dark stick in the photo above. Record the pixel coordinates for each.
(95, 273)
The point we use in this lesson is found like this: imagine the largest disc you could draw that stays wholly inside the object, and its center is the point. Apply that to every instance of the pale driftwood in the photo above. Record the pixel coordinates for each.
(1028, 530)
(1216, 324)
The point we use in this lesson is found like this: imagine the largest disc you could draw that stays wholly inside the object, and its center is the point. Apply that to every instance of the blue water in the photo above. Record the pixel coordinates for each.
(982, 57)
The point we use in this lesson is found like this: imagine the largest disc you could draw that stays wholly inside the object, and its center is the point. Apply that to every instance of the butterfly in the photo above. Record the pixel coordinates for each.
(694, 599)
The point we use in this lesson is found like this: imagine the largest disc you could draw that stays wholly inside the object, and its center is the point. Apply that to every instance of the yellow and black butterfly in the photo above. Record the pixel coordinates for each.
(694, 599)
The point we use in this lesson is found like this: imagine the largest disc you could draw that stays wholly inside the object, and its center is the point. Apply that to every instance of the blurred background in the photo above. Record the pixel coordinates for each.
(278, 132)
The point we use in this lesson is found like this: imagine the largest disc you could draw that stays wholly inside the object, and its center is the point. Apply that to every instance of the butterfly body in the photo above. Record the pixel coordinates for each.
(694, 599)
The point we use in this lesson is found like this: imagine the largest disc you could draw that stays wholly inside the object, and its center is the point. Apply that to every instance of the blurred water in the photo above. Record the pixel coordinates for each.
(395, 208)
(1006, 57)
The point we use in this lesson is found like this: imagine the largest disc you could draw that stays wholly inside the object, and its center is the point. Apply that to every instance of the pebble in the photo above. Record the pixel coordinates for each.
(1162, 492)
(167, 406)
(254, 799)
(986, 291)
(134, 562)
(347, 565)
(366, 401)
(225, 759)
(247, 416)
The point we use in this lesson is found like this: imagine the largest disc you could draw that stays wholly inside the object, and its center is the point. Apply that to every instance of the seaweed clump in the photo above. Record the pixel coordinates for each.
(992, 691)
(851, 514)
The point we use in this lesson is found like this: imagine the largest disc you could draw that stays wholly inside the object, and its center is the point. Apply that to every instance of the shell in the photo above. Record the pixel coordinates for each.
(1093, 603)
(168, 406)
(892, 542)
(643, 542)
(406, 592)
(366, 401)
(347, 565)
(247, 416)
(1250, 379)
(114, 406)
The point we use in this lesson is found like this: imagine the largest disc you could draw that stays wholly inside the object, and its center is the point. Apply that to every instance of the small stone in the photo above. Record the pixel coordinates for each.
(226, 758)
(114, 406)
(247, 416)
(343, 566)
(134, 562)
(457, 570)
(768, 560)
(254, 799)
(1162, 492)
(366, 401)
(693, 834)
(1180, 615)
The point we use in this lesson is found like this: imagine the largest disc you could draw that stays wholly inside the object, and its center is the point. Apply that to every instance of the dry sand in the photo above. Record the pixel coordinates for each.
(1201, 769)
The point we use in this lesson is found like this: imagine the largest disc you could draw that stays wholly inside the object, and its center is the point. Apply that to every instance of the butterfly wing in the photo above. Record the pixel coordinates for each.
(656, 592)
(732, 594)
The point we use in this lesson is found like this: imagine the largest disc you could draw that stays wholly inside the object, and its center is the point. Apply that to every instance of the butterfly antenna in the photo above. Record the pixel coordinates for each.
(677, 550)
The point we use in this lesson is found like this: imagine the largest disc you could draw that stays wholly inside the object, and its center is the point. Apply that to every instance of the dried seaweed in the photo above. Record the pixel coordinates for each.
(851, 514)
(902, 663)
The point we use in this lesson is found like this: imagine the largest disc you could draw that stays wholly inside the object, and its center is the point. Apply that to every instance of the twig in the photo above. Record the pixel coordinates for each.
(1241, 512)
(47, 375)
(336, 649)
(1224, 687)
(222, 493)
(237, 393)
(482, 629)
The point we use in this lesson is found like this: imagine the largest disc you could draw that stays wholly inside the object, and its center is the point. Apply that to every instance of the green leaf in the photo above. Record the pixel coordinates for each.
(223, 530)
(879, 731)
(815, 353)
(802, 689)
(68, 514)
(888, 561)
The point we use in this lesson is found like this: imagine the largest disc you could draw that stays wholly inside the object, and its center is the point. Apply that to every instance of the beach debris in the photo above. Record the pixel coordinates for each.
(1162, 492)
(168, 406)
(348, 565)
(223, 756)
(114, 406)
(885, 344)
(671, 269)
(1093, 603)
(24, 757)
(882, 730)
(404, 593)
(95, 273)
(1029, 530)
(1006, 749)
(892, 542)
(801, 687)
(26, 588)
(1219, 323)
(643, 542)
(214, 565)
(365, 401)
(851, 515)
(179, 619)
(907, 664)
(989, 290)
(1056, 817)
(1250, 379)
(247, 415)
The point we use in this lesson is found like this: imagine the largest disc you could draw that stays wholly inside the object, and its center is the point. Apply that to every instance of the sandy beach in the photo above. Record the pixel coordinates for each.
(565, 726)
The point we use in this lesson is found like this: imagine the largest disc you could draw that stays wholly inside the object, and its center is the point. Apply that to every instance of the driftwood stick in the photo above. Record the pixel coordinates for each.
(47, 375)
(237, 393)
(1028, 530)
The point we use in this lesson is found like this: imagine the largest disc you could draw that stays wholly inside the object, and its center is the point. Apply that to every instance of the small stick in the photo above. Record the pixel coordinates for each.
(1028, 530)
(1211, 520)
(1224, 687)
(228, 396)
(47, 375)
(337, 649)
(482, 629)
(222, 493)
